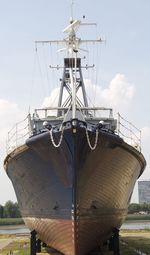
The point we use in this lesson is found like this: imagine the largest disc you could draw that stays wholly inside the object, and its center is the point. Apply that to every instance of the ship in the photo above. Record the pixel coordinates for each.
(72, 168)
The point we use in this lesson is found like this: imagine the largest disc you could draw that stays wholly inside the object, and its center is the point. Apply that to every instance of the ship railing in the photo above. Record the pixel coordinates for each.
(23, 129)
(97, 112)
(18, 134)
(92, 112)
(130, 133)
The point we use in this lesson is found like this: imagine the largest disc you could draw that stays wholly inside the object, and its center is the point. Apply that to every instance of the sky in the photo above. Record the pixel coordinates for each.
(123, 63)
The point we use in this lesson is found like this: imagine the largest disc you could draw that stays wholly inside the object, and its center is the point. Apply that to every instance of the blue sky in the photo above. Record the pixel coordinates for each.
(124, 24)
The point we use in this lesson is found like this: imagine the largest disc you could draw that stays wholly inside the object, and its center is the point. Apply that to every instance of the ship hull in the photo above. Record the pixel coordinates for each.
(71, 195)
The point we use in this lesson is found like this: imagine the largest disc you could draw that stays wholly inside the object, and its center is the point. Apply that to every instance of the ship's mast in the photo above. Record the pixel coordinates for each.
(72, 78)
(72, 71)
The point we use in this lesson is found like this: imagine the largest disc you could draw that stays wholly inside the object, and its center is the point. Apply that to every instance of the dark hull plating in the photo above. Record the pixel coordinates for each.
(73, 196)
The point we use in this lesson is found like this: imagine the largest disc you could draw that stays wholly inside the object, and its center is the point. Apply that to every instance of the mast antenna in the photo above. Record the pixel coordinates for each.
(72, 4)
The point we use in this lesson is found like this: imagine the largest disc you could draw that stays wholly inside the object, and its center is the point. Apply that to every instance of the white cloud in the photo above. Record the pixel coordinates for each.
(117, 95)
(146, 134)
(9, 114)
(120, 91)
(52, 100)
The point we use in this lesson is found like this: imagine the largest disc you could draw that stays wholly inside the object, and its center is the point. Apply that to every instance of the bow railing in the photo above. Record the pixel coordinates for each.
(23, 129)
(130, 133)
(18, 134)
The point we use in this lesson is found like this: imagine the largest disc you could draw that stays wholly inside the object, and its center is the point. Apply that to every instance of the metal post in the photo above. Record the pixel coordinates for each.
(38, 245)
(30, 126)
(33, 243)
(114, 242)
(73, 84)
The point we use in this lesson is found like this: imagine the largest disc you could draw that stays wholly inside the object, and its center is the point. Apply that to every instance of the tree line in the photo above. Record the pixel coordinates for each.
(10, 210)
(136, 208)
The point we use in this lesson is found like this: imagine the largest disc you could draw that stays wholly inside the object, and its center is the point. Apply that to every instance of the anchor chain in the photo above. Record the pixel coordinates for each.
(52, 138)
(56, 145)
(92, 147)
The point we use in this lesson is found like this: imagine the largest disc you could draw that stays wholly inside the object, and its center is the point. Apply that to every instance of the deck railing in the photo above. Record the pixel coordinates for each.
(18, 134)
(86, 111)
(23, 129)
(130, 133)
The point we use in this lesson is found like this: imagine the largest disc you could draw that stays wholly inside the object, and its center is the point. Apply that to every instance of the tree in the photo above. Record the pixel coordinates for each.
(17, 211)
(1, 211)
(134, 208)
(11, 210)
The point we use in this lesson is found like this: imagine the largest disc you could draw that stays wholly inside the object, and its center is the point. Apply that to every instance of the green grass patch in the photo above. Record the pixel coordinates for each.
(132, 217)
(128, 244)
(20, 247)
(134, 231)
(126, 250)
(132, 240)
(139, 243)
(11, 221)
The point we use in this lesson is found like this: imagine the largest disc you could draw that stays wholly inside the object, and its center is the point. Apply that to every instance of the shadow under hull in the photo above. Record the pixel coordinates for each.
(72, 196)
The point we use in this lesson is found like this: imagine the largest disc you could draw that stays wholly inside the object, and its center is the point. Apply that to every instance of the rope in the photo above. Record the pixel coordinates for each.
(52, 138)
(92, 147)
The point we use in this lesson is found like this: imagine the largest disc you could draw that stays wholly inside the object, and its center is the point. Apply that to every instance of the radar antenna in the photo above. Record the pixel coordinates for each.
(72, 27)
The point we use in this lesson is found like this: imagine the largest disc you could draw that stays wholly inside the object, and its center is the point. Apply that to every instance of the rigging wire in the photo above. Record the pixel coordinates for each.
(52, 70)
(43, 84)
(31, 89)
(52, 103)
(35, 83)
(96, 69)
(88, 75)
(92, 104)
(41, 74)
(59, 63)
(46, 69)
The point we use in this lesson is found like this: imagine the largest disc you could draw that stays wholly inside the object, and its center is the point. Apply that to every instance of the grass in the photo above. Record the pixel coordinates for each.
(11, 221)
(139, 239)
(132, 217)
(134, 243)
(21, 247)
(126, 250)
(129, 241)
